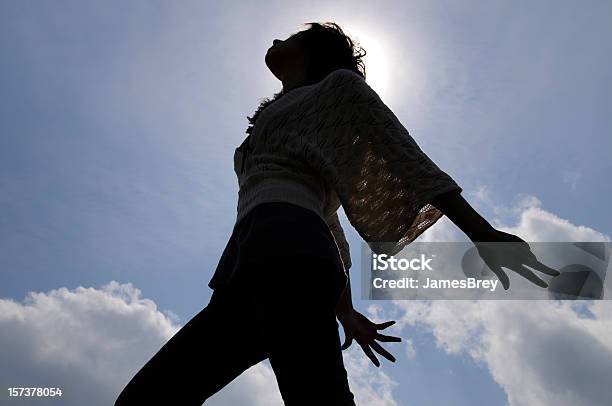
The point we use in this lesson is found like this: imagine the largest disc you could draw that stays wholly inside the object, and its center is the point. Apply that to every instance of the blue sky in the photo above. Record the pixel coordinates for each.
(119, 121)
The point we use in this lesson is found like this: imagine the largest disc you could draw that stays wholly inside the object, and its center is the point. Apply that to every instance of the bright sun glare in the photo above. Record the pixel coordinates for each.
(376, 63)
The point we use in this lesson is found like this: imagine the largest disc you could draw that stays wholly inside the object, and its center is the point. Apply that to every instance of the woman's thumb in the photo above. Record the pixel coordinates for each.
(348, 340)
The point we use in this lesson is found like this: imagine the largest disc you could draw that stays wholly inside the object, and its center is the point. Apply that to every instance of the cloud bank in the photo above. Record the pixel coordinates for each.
(539, 352)
(90, 342)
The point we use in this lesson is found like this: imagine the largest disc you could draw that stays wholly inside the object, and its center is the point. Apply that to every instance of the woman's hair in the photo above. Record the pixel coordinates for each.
(329, 49)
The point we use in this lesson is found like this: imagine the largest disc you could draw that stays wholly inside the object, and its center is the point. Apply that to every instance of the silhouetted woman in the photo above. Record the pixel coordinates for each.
(325, 140)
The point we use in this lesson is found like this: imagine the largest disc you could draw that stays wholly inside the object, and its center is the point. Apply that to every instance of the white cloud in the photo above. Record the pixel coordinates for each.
(482, 194)
(537, 224)
(370, 385)
(539, 352)
(410, 351)
(256, 386)
(90, 342)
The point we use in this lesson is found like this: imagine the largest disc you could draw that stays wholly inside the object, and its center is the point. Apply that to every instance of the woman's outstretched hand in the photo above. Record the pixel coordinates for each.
(357, 326)
(512, 256)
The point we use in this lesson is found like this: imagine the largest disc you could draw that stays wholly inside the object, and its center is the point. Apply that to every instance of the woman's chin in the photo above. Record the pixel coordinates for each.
(272, 67)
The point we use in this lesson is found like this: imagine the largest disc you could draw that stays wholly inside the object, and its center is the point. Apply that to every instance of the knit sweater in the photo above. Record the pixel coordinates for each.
(335, 143)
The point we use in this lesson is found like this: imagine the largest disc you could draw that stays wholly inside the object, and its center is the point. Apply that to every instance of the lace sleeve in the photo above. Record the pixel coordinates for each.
(343, 246)
(382, 178)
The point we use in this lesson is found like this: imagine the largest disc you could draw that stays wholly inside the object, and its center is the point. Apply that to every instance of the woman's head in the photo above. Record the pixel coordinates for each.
(312, 54)
(307, 56)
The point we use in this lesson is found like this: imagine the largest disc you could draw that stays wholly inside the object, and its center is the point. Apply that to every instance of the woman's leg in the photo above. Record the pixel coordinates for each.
(212, 349)
(302, 334)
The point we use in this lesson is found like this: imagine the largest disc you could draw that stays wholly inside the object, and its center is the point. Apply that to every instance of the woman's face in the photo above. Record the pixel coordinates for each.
(288, 57)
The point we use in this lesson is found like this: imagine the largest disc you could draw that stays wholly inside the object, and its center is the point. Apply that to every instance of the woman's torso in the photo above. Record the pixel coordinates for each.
(268, 170)
(282, 202)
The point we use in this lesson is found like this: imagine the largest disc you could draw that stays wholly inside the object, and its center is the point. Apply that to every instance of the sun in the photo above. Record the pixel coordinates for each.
(376, 60)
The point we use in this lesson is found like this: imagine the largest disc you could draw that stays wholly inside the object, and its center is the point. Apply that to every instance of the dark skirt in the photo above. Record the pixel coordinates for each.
(272, 231)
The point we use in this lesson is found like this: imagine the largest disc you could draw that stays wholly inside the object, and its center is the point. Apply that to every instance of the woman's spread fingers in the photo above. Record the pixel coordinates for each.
(501, 275)
(379, 349)
(368, 351)
(528, 274)
(384, 325)
(537, 265)
(382, 337)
